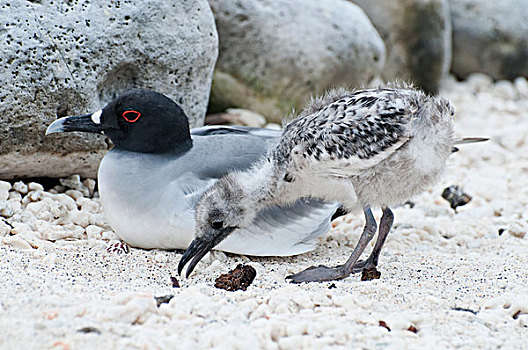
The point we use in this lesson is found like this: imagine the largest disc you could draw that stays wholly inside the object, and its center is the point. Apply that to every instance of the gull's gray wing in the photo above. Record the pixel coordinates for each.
(282, 231)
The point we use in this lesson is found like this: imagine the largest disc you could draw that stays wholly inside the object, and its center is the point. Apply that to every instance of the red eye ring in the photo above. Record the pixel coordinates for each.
(136, 115)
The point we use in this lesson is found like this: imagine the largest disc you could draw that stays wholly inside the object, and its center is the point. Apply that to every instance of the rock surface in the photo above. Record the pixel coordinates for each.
(275, 54)
(236, 116)
(417, 34)
(490, 37)
(67, 57)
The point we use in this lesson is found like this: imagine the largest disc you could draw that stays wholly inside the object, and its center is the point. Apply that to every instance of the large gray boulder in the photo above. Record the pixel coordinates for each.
(60, 57)
(275, 54)
(417, 34)
(490, 37)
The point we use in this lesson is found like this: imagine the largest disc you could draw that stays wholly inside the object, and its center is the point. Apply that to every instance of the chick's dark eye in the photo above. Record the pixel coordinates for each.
(217, 224)
(131, 116)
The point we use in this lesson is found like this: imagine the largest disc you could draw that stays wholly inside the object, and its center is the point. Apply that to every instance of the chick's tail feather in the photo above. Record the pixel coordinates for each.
(464, 140)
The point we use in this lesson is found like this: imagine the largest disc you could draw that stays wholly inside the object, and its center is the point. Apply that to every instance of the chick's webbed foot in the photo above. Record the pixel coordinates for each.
(323, 273)
(320, 273)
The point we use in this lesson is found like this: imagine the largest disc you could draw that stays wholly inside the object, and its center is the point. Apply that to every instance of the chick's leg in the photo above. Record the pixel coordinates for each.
(323, 273)
(384, 228)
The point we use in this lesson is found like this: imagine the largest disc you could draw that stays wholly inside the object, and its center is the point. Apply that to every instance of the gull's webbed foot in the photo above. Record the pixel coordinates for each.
(320, 273)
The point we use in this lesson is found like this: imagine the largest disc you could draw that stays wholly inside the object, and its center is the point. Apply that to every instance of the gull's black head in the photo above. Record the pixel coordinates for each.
(138, 121)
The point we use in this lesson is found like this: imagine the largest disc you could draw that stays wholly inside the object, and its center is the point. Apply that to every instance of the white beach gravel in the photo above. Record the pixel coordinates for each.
(448, 280)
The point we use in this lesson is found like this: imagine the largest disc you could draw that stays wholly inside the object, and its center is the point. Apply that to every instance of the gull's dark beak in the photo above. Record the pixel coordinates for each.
(87, 123)
(201, 246)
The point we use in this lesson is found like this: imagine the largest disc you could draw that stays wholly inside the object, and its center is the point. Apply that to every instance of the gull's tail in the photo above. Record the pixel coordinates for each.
(464, 140)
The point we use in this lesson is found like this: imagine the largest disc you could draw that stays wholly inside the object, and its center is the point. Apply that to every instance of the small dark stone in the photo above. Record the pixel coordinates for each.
(238, 279)
(332, 286)
(464, 310)
(456, 196)
(384, 324)
(175, 283)
(516, 315)
(163, 299)
(412, 329)
(89, 330)
(501, 231)
(370, 274)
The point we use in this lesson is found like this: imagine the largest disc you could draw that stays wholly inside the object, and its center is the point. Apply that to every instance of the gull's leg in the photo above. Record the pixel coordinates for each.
(323, 273)
(384, 227)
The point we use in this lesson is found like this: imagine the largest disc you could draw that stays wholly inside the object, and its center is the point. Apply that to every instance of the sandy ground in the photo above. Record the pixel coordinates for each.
(449, 280)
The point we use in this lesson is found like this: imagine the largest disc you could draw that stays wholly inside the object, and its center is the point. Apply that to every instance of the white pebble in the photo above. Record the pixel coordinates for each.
(99, 219)
(50, 259)
(135, 309)
(15, 195)
(20, 187)
(75, 194)
(5, 209)
(33, 186)
(41, 225)
(20, 227)
(521, 84)
(302, 299)
(80, 218)
(347, 302)
(216, 265)
(35, 195)
(505, 89)
(66, 200)
(109, 236)
(90, 185)
(94, 232)
(218, 255)
(16, 242)
(321, 299)
(88, 205)
(37, 208)
(5, 229)
(15, 205)
(160, 257)
(55, 232)
(480, 81)
(74, 182)
(4, 190)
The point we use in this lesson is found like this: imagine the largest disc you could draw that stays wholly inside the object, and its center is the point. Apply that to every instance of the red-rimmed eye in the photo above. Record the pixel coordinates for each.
(131, 116)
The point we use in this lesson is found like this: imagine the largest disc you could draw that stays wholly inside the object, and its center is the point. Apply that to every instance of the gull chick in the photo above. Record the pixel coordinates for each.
(363, 149)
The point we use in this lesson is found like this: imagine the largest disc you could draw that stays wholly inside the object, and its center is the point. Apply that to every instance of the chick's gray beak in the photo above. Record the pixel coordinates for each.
(87, 123)
(201, 246)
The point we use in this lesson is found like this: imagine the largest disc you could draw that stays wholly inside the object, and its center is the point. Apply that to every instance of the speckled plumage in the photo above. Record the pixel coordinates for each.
(369, 139)
(375, 147)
